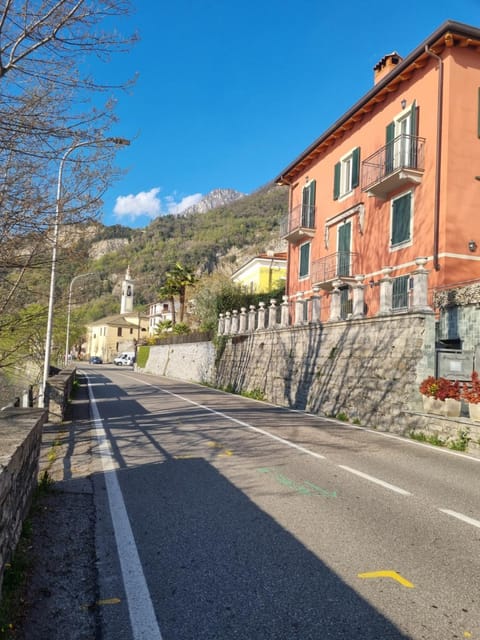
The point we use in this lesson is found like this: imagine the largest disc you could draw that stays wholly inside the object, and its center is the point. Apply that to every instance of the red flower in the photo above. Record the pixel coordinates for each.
(471, 391)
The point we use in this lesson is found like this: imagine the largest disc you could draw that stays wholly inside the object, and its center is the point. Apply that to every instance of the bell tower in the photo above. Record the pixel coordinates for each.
(126, 305)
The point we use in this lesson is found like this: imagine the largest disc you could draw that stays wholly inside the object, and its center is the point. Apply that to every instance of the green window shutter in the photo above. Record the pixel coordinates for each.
(304, 259)
(355, 167)
(390, 135)
(336, 181)
(401, 215)
(414, 133)
(311, 213)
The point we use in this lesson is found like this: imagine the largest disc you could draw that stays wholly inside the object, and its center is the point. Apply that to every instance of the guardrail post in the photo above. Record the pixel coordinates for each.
(316, 300)
(228, 322)
(299, 308)
(234, 325)
(261, 315)
(221, 324)
(272, 314)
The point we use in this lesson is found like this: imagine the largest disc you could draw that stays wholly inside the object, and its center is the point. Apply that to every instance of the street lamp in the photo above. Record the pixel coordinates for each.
(56, 226)
(69, 309)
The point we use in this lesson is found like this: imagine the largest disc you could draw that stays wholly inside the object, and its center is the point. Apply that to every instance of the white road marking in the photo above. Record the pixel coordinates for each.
(382, 483)
(142, 615)
(460, 516)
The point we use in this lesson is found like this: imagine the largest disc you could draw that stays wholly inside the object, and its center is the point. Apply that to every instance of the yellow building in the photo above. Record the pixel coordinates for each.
(263, 273)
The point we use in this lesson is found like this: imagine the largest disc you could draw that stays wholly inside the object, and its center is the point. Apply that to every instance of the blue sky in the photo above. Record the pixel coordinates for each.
(229, 93)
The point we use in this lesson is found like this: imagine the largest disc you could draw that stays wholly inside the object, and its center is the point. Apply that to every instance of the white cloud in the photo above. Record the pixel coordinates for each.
(145, 203)
(187, 201)
(148, 203)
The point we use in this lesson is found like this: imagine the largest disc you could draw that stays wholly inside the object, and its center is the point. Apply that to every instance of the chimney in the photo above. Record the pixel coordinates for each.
(385, 65)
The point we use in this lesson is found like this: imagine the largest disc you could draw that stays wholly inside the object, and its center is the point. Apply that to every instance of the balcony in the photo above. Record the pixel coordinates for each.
(300, 224)
(337, 266)
(398, 163)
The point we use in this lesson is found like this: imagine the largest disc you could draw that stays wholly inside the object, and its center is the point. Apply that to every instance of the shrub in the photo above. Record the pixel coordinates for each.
(471, 390)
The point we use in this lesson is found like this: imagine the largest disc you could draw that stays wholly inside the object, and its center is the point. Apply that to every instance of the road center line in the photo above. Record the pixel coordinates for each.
(140, 608)
(382, 483)
(239, 422)
(460, 516)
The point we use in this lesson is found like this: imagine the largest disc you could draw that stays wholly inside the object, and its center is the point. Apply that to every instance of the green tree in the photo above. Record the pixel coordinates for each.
(176, 283)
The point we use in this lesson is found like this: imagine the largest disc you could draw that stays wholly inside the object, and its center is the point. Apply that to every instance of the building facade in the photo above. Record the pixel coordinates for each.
(263, 273)
(393, 180)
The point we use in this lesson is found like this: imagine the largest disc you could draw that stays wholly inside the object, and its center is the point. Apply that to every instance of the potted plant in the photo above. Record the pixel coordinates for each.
(441, 396)
(471, 394)
(449, 391)
(429, 389)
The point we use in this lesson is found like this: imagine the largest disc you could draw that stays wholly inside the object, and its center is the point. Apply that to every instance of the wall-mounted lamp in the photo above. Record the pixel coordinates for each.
(403, 103)
(472, 245)
(371, 283)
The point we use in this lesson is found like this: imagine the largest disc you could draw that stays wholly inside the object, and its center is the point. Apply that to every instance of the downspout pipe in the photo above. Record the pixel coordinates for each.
(438, 160)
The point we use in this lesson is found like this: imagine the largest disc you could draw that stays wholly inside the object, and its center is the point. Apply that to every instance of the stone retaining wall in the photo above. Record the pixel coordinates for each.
(193, 361)
(367, 371)
(20, 437)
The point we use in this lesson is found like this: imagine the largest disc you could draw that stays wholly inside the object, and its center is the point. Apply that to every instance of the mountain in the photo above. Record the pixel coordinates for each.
(216, 198)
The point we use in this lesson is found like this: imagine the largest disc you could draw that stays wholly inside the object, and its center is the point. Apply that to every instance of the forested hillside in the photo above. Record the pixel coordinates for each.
(203, 242)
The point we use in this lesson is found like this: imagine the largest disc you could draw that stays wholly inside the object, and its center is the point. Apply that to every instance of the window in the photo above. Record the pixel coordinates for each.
(304, 260)
(308, 205)
(401, 222)
(346, 174)
(401, 141)
(400, 289)
(119, 331)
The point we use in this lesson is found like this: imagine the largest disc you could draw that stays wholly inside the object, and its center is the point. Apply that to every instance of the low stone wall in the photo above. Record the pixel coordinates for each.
(59, 389)
(449, 430)
(20, 438)
(193, 361)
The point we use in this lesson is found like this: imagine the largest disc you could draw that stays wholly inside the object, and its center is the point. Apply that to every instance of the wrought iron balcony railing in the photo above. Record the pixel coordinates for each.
(400, 160)
(300, 223)
(336, 266)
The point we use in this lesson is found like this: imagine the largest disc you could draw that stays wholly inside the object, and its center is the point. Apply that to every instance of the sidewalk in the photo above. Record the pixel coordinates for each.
(61, 588)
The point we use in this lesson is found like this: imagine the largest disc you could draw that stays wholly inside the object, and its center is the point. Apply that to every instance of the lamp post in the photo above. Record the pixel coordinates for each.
(56, 227)
(69, 309)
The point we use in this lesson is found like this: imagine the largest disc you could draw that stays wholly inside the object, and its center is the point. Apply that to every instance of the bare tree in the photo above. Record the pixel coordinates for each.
(51, 95)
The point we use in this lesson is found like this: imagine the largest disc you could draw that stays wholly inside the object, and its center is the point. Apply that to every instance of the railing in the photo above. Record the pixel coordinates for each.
(300, 217)
(335, 265)
(404, 152)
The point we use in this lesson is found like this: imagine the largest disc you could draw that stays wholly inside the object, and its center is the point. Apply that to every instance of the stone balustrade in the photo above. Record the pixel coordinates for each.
(305, 310)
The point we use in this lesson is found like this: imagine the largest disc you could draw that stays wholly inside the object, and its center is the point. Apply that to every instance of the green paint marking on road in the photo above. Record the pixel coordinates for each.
(304, 488)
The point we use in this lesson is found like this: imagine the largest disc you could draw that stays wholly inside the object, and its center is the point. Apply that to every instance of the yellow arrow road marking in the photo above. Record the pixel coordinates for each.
(388, 574)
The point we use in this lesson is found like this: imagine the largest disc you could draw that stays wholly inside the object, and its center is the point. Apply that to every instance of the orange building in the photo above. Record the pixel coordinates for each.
(394, 179)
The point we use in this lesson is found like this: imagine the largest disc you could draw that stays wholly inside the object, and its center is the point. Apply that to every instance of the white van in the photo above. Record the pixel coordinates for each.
(125, 358)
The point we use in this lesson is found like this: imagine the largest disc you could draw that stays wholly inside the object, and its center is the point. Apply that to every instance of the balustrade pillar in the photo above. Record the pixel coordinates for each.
(261, 315)
(228, 323)
(221, 324)
(252, 318)
(316, 304)
(299, 308)
(272, 314)
(386, 289)
(243, 320)
(234, 325)
(335, 308)
(420, 286)
(358, 310)
(285, 319)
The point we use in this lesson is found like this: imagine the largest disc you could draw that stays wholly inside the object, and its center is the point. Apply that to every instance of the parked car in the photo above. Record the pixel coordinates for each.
(124, 359)
(96, 360)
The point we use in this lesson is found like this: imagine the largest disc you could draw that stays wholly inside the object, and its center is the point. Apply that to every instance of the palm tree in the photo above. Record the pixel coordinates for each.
(176, 283)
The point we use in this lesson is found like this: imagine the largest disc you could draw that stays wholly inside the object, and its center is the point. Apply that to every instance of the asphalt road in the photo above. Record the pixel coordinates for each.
(220, 517)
